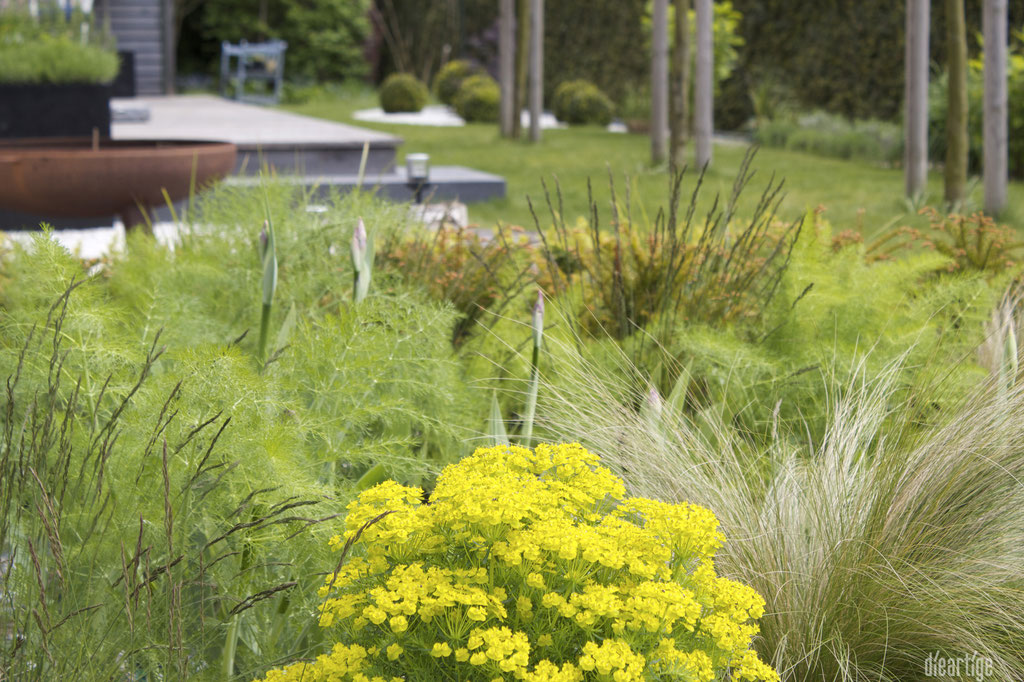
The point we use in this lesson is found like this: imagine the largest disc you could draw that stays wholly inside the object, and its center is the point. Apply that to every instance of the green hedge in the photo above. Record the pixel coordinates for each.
(599, 41)
(845, 57)
(834, 136)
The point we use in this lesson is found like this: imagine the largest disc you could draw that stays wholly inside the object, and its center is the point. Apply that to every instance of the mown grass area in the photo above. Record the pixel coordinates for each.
(856, 194)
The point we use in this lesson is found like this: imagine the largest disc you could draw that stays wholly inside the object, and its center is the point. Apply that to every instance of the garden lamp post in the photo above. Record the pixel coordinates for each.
(417, 171)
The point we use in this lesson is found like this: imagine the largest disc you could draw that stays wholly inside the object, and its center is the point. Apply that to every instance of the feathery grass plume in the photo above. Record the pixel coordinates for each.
(268, 260)
(999, 353)
(362, 262)
(873, 553)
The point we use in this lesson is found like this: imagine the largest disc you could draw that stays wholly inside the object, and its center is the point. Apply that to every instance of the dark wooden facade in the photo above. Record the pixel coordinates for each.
(142, 27)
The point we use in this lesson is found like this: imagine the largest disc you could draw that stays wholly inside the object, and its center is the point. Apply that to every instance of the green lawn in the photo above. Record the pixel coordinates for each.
(855, 194)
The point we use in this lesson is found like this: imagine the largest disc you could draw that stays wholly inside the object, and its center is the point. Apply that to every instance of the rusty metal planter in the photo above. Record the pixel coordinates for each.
(70, 178)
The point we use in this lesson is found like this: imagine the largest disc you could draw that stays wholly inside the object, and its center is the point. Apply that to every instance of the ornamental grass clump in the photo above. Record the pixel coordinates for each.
(531, 565)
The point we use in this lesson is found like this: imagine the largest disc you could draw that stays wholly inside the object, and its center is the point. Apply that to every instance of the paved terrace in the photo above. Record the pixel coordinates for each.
(287, 141)
(319, 154)
(305, 150)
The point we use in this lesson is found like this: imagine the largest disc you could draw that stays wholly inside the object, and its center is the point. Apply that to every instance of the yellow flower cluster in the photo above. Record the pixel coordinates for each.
(535, 566)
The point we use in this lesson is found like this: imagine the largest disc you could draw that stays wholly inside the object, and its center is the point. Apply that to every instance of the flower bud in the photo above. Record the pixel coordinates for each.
(538, 319)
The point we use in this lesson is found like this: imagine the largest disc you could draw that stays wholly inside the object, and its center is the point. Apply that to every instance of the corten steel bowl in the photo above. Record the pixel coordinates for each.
(69, 178)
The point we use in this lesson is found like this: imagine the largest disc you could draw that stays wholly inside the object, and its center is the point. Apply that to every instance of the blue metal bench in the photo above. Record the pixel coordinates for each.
(255, 61)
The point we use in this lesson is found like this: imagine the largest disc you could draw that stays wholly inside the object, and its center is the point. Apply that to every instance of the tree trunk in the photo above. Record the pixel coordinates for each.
(536, 67)
(996, 132)
(915, 160)
(659, 82)
(679, 110)
(522, 65)
(703, 96)
(507, 64)
(956, 118)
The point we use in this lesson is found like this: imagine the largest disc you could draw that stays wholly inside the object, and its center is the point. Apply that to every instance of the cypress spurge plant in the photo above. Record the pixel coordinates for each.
(532, 565)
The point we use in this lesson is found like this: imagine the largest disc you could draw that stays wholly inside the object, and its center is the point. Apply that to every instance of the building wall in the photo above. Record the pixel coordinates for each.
(138, 26)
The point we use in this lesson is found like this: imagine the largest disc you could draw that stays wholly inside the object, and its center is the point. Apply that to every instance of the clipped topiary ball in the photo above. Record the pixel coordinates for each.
(450, 77)
(478, 99)
(402, 92)
(581, 102)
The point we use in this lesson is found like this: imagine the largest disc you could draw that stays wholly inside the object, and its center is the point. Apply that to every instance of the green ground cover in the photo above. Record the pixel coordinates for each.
(171, 490)
(184, 431)
(856, 194)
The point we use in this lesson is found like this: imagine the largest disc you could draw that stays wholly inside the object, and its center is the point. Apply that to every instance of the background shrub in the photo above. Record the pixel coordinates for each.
(633, 100)
(402, 92)
(563, 95)
(325, 37)
(972, 243)
(50, 50)
(581, 102)
(450, 78)
(479, 99)
(844, 57)
(602, 41)
(831, 135)
(937, 107)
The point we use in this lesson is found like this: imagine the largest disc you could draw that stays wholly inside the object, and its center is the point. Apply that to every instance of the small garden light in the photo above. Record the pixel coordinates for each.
(417, 168)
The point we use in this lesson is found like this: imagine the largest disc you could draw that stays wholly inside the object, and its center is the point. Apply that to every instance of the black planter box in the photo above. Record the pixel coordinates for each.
(48, 110)
(124, 84)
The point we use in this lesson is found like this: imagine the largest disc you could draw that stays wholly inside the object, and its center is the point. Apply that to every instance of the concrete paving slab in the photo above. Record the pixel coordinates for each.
(288, 142)
(205, 117)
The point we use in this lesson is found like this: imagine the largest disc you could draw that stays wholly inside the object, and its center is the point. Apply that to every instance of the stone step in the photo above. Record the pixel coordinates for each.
(447, 183)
